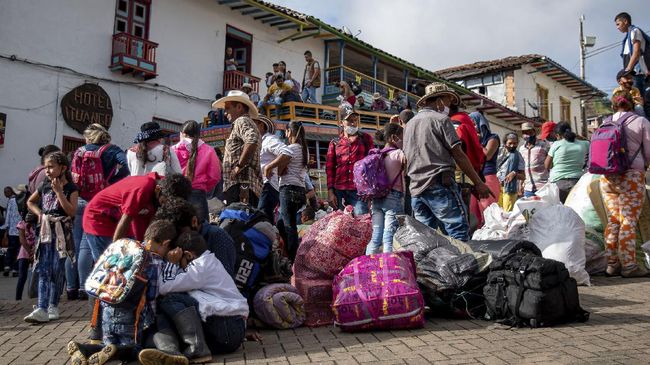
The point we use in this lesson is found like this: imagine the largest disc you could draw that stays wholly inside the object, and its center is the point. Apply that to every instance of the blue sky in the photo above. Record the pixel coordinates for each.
(436, 34)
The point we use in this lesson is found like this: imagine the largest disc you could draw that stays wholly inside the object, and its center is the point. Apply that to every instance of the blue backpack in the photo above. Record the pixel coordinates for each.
(253, 248)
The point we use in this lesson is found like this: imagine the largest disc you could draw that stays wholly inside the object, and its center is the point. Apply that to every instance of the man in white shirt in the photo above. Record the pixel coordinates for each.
(634, 46)
(272, 147)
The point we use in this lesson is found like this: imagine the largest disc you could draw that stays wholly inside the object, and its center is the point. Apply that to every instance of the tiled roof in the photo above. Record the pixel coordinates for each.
(483, 67)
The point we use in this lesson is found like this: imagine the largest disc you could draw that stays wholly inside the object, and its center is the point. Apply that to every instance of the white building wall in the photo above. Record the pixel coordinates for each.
(526, 90)
(77, 34)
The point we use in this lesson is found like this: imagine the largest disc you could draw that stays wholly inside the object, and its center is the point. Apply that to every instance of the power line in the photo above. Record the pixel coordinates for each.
(603, 47)
(600, 52)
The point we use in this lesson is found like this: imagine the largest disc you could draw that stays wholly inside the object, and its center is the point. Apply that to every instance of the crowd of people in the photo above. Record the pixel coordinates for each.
(444, 166)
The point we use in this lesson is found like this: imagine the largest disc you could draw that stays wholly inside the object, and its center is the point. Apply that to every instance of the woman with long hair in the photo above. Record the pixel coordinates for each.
(114, 168)
(490, 142)
(566, 159)
(291, 166)
(386, 209)
(200, 165)
(624, 193)
(150, 153)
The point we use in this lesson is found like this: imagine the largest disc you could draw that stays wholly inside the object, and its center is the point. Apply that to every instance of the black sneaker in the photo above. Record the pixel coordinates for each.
(73, 294)
(14, 273)
(82, 295)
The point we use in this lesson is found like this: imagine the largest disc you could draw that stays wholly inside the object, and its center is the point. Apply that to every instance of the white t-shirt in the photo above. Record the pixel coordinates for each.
(296, 170)
(155, 163)
(272, 147)
(636, 35)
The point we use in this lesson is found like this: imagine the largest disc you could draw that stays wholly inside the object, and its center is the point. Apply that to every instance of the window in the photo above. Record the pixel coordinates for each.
(487, 80)
(565, 110)
(132, 17)
(70, 144)
(542, 102)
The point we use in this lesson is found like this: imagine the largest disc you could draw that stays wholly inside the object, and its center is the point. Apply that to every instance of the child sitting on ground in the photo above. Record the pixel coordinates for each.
(197, 280)
(121, 338)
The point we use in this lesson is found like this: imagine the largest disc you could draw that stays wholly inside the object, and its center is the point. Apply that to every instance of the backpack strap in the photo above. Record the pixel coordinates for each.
(138, 312)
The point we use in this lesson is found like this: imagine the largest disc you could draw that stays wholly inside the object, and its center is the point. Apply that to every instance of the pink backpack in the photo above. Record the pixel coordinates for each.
(378, 292)
(88, 172)
(608, 154)
(370, 176)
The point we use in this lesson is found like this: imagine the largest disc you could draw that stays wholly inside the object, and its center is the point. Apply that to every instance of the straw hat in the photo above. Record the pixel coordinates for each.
(237, 96)
(247, 85)
(376, 96)
(270, 126)
(437, 89)
(346, 110)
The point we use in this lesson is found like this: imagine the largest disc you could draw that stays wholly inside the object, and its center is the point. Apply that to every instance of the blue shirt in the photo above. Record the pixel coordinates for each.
(221, 245)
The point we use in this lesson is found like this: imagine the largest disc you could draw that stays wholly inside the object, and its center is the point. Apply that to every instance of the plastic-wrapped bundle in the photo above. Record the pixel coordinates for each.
(279, 306)
(501, 248)
(378, 292)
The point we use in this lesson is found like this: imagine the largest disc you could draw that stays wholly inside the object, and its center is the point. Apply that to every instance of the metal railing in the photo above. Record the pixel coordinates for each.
(141, 49)
(233, 80)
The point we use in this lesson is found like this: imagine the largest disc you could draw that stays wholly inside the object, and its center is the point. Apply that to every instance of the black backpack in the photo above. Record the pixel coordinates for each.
(355, 87)
(524, 289)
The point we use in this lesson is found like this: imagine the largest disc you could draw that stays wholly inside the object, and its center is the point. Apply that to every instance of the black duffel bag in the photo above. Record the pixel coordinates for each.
(528, 290)
(501, 248)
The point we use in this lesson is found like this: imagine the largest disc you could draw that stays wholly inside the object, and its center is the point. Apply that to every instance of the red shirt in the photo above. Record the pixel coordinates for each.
(341, 156)
(132, 196)
(466, 130)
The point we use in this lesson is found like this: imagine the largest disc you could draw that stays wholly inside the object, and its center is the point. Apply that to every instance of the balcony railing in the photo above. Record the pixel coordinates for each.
(368, 84)
(324, 115)
(133, 54)
(233, 80)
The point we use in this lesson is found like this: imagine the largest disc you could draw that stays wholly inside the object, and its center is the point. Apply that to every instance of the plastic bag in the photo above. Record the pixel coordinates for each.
(495, 224)
(559, 232)
(596, 261)
(549, 193)
(579, 201)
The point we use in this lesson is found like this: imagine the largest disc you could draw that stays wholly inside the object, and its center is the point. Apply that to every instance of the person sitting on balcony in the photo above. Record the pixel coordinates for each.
(282, 68)
(361, 103)
(310, 79)
(294, 94)
(347, 95)
(378, 103)
(231, 63)
(351, 146)
(248, 89)
(275, 95)
(270, 76)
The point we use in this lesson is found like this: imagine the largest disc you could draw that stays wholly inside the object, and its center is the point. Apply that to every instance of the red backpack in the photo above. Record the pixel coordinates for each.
(88, 172)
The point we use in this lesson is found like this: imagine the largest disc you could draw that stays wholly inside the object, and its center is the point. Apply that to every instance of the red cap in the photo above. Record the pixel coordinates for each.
(547, 129)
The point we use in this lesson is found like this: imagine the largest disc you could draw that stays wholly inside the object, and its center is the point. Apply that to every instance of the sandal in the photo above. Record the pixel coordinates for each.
(76, 356)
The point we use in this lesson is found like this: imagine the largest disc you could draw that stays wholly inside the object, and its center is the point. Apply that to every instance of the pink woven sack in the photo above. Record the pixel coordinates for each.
(378, 292)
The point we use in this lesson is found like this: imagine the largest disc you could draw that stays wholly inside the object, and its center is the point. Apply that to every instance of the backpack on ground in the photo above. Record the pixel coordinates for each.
(252, 246)
(608, 148)
(88, 172)
(371, 177)
(645, 53)
(524, 289)
(119, 278)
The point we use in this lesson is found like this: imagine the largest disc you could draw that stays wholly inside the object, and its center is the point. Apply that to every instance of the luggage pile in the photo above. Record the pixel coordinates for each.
(329, 245)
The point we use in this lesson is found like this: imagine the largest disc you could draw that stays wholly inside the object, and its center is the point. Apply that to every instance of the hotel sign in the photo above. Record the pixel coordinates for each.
(85, 105)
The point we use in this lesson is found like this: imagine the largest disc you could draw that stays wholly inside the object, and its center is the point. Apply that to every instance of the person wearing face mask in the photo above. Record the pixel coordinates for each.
(625, 81)
(534, 152)
(510, 172)
(351, 146)
(433, 149)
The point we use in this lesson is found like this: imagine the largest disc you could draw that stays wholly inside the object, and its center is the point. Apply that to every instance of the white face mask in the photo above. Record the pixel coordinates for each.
(444, 111)
(351, 130)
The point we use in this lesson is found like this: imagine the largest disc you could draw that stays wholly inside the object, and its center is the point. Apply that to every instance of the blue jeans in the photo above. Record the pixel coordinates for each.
(351, 198)
(90, 248)
(71, 270)
(268, 201)
(309, 95)
(118, 325)
(292, 198)
(384, 221)
(442, 207)
(51, 274)
(277, 101)
(199, 200)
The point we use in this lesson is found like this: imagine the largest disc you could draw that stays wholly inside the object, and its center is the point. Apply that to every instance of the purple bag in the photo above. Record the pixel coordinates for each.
(279, 306)
(370, 176)
(378, 292)
(608, 154)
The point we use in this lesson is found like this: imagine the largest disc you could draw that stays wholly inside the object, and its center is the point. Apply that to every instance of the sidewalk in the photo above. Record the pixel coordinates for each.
(617, 333)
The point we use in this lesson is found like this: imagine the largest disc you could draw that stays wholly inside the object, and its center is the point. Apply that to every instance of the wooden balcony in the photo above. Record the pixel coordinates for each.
(134, 55)
(325, 115)
(233, 80)
(368, 84)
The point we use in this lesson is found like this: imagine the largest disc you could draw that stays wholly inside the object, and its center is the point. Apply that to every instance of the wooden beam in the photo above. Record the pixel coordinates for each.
(223, 2)
(270, 20)
(280, 23)
(251, 11)
(305, 36)
(266, 15)
(292, 26)
(239, 7)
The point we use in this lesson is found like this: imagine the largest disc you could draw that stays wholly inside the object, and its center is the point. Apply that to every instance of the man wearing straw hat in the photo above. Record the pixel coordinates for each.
(241, 163)
(432, 151)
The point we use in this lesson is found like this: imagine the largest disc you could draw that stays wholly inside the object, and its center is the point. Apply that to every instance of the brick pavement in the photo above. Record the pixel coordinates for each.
(617, 333)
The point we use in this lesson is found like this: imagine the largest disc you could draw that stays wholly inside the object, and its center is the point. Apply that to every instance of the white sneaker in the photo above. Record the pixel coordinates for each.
(39, 315)
(53, 313)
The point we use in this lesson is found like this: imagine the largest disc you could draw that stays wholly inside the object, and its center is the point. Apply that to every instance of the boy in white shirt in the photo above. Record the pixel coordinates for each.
(196, 279)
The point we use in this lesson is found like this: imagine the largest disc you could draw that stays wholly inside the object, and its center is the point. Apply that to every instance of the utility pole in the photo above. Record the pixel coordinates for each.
(583, 114)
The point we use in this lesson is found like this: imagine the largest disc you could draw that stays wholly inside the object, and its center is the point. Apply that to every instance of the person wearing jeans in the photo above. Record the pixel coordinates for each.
(75, 287)
(272, 147)
(310, 79)
(441, 207)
